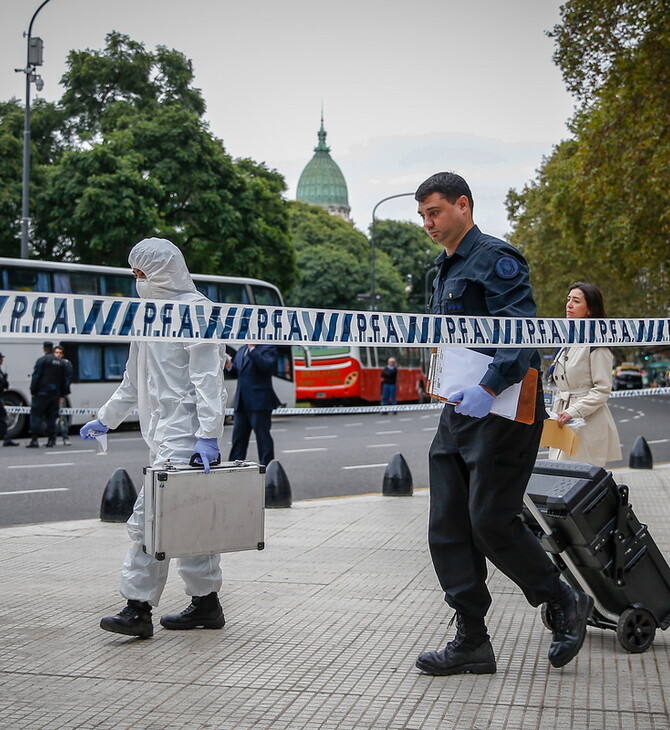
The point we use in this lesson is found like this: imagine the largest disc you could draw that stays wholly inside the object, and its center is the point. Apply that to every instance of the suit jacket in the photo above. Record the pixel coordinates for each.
(254, 369)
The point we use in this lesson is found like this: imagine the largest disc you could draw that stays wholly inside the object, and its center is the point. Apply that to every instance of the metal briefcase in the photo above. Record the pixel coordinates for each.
(188, 512)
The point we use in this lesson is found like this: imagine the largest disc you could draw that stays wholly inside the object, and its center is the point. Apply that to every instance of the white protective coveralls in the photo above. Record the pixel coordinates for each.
(179, 393)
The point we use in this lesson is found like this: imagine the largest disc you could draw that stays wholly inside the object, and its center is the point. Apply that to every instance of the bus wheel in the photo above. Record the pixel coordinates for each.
(16, 422)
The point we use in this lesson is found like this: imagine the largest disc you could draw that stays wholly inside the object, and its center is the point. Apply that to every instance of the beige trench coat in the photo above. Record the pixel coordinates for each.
(583, 378)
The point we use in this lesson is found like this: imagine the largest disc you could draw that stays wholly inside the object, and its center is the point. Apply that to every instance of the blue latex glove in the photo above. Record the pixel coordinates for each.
(206, 450)
(92, 429)
(475, 401)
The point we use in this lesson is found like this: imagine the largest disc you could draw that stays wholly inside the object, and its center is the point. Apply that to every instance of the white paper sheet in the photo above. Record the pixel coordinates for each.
(455, 368)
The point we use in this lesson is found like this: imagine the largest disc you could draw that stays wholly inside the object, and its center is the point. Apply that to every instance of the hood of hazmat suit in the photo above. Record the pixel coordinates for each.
(177, 387)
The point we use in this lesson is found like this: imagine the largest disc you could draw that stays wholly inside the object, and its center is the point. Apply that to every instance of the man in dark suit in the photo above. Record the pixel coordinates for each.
(254, 400)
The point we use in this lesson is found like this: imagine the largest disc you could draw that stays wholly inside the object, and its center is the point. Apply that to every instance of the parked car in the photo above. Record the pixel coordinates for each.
(627, 377)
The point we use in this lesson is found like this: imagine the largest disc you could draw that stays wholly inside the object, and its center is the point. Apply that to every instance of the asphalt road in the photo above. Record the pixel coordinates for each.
(323, 456)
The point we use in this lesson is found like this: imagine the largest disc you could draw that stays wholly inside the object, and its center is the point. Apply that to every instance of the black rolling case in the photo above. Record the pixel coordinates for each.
(585, 522)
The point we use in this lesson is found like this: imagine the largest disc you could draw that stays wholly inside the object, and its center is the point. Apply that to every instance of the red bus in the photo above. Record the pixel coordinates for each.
(352, 374)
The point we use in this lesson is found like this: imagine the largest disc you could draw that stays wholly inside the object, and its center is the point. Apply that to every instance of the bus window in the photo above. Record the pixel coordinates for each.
(233, 293)
(265, 296)
(207, 288)
(76, 282)
(284, 367)
(115, 361)
(117, 286)
(89, 362)
(27, 280)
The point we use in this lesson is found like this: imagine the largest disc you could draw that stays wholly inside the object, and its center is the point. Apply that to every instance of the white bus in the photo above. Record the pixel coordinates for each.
(98, 366)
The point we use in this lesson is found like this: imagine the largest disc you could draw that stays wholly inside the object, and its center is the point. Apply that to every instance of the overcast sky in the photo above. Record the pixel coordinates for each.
(408, 88)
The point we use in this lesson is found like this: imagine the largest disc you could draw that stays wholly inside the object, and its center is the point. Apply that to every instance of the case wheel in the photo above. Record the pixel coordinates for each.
(636, 629)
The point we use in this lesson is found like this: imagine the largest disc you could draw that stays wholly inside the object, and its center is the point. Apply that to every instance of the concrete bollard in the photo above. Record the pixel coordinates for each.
(397, 478)
(119, 497)
(277, 486)
(640, 455)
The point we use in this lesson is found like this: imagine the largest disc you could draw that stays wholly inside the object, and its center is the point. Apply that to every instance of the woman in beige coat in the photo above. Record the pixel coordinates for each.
(583, 379)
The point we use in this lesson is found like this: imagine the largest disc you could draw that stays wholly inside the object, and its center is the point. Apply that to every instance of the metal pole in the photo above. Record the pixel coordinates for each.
(29, 71)
(373, 272)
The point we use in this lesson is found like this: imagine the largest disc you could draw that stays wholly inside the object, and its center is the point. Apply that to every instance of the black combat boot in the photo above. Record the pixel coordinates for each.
(51, 442)
(34, 444)
(205, 612)
(9, 442)
(133, 620)
(568, 614)
(469, 652)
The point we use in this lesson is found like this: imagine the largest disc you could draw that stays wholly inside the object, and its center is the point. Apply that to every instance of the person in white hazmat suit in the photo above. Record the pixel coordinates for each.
(179, 393)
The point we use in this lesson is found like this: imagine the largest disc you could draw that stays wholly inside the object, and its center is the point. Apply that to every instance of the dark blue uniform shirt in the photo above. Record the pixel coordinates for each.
(488, 277)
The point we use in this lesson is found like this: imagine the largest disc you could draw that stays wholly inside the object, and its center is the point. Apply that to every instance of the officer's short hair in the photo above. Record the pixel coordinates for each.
(448, 184)
(48, 345)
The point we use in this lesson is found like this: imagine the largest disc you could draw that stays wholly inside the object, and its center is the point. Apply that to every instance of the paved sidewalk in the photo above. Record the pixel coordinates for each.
(322, 631)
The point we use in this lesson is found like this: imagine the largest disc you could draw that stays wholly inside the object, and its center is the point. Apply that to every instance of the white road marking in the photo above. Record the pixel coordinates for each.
(360, 423)
(40, 466)
(314, 428)
(365, 466)
(302, 451)
(35, 491)
(659, 441)
(377, 446)
(386, 433)
(325, 436)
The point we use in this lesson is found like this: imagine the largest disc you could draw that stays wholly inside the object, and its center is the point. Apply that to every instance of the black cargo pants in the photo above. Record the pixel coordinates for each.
(479, 469)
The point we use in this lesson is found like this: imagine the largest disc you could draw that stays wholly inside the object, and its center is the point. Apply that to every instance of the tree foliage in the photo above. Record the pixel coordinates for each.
(412, 254)
(334, 264)
(599, 208)
(129, 155)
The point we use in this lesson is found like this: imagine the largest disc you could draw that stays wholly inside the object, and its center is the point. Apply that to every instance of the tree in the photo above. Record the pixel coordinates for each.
(137, 159)
(412, 254)
(334, 264)
(602, 199)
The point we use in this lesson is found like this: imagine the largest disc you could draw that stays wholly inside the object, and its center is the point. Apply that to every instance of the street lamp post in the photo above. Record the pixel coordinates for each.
(33, 59)
(373, 270)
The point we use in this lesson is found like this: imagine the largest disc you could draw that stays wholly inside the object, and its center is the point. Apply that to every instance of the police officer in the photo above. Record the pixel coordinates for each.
(4, 385)
(49, 383)
(480, 463)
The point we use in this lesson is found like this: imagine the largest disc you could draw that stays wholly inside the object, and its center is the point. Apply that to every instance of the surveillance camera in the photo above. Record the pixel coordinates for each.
(39, 83)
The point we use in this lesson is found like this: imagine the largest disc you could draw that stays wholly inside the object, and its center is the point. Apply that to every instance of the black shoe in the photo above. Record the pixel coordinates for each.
(568, 616)
(34, 444)
(50, 443)
(9, 442)
(458, 660)
(133, 620)
(205, 612)
(469, 652)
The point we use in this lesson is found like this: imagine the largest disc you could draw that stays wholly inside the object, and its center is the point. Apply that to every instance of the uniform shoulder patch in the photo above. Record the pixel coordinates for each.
(507, 267)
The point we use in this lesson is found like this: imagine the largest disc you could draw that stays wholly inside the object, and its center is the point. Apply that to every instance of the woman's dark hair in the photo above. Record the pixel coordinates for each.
(593, 297)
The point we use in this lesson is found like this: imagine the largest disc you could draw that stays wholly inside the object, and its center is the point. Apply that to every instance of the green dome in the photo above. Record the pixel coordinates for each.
(322, 182)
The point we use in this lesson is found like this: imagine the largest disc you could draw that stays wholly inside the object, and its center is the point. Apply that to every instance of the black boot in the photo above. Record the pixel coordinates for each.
(51, 442)
(470, 651)
(133, 620)
(205, 612)
(568, 614)
(34, 444)
(9, 442)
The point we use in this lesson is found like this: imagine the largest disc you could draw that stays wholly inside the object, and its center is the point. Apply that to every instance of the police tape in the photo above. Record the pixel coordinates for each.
(343, 410)
(33, 315)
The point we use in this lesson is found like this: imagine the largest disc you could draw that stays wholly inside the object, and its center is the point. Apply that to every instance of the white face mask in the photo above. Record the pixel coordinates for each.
(144, 288)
